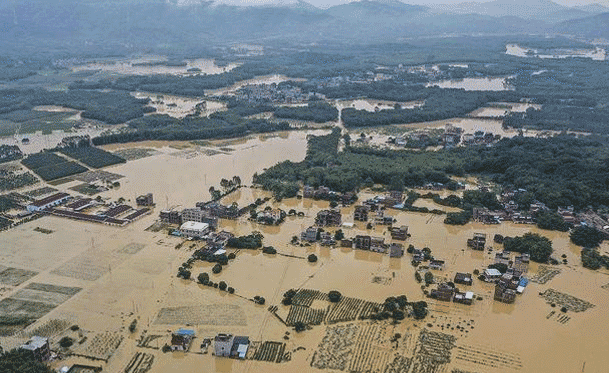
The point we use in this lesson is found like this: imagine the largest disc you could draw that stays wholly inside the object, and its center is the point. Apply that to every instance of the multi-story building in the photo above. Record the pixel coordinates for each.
(200, 216)
(309, 235)
(361, 213)
(171, 217)
(39, 347)
(362, 242)
(223, 344)
(400, 233)
(145, 200)
(327, 218)
(194, 229)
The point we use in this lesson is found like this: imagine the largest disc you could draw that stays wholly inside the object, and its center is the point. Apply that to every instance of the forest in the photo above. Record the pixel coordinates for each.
(318, 112)
(559, 171)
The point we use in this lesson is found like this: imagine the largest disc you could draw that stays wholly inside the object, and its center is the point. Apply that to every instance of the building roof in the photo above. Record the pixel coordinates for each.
(492, 272)
(193, 225)
(185, 332)
(35, 343)
(50, 199)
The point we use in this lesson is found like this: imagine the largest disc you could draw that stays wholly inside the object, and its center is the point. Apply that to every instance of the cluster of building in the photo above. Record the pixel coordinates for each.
(512, 282)
(391, 199)
(203, 212)
(479, 138)
(273, 93)
(270, 216)
(325, 193)
(225, 345)
(447, 292)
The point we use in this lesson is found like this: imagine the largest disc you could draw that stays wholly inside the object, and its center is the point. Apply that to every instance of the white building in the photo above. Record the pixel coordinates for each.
(194, 229)
(51, 201)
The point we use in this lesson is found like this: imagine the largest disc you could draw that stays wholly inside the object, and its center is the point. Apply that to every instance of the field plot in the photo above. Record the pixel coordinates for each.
(132, 248)
(50, 328)
(350, 309)
(92, 176)
(545, 274)
(336, 349)
(90, 266)
(17, 314)
(272, 352)
(50, 166)
(92, 157)
(36, 193)
(370, 355)
(101, 346)
(17, 180)
(214, 314)
(15, 276)
(488, 357)
(132, 154)
(141, 362)
(399, 364)
(305, 297)
(306, 315)
(565, 300)
(433, 352)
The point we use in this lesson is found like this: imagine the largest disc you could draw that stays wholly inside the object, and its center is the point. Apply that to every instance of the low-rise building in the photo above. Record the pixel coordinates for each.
(400, 233)
(47, 202)
(361, 213)
(310, 234)
(491, 275)
(240, 346)
(271, 216)
(328, 218)
(396, 250)
(377, 244)
(223, 344)
(503, 293)
(436, 264)
(362, 242)
(39, 347)
(463, 278)
(217, 241)
(145, 200)
(464, 298)
(444, 292)
(181, 339)
(478, 242)
(194, 229)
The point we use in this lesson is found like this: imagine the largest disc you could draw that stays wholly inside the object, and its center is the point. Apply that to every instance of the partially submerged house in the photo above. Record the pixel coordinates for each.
(181, 339)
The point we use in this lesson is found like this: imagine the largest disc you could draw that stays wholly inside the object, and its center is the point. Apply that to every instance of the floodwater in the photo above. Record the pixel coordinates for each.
(266, 79)
(375, 105)
(180, 106)
(40, 141)
(129, 66)
(597, 54)
(137, 284)
(475, 84)
(503, 108)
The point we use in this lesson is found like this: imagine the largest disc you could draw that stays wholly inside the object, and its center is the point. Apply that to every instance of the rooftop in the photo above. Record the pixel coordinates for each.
(194, 225)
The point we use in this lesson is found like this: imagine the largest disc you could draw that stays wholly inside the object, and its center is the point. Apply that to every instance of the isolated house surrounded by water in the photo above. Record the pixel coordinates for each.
(181, 339)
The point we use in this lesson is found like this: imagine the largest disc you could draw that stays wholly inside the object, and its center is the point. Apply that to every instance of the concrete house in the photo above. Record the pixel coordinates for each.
(181, 339)
(223, 344)
(39, 347)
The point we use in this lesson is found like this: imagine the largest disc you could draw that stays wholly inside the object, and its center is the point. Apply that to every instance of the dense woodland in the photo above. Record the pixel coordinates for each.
(559, 171)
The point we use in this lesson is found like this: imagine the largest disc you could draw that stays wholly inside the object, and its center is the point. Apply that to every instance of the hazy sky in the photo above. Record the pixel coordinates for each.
(328, 3)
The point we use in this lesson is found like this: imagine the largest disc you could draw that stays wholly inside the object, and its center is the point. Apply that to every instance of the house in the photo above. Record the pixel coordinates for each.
(463, 278)
(171, 217)
(464, 298)
(271, 216)
(194, 229)
(418, 255)
(310, 234)
(503, 293)
(145, 200)
(215, 209)
(346, 243)
(50, 201)
(39, 347)
(377, 244)
(363, 242)
(361, 213)
(383, 219)
(181, 339)
(396, 250)
(400, 233)
(503, 257)
(217, 241)
(567, 214)
(200, 216)
(328, 218)
(444, 292)
(395, 197)
(478, 242)
(223, 344)
(308, 191)
(491, 275)
(326, 239)
(240, 347)
(436, 264)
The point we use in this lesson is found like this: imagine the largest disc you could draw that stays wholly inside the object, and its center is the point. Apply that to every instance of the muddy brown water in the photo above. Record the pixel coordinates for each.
(139, 283)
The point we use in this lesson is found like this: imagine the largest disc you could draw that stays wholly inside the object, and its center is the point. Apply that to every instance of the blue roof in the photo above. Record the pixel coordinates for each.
(189, 332)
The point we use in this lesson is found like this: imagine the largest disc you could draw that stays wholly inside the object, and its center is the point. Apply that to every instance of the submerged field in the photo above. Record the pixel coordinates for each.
(101, 278)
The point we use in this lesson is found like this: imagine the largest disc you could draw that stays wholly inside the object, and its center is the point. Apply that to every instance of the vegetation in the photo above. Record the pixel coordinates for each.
(586, 236)
(15, 181)
(551, 221)
(419, 310)
(66, 342)
(91, 156)
(251, 241)
(217, 269)
(22, 361)
(269, 250)
(203, 278)
(312, 258)
(334, 296)
(50, 166)
(592, 259)
(318, 112)
(539, 247)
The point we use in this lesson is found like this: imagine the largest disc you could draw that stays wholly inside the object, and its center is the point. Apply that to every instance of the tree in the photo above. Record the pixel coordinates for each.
(551, 221)
(183, 273)
(269, 250)
(133, 326)
(539, 247)
(419, 310)
(299, 326)
(312, 258)
(339, 235)
(22, 361)
(334, 296)
(230, 290)
(428, 278)
(410, 249)
(333, 204)
(203, 278)
(586, 236)
(222, 285)
(236, 180)
(417, 276)
(217, 269)
(294, 240)
(66, 342)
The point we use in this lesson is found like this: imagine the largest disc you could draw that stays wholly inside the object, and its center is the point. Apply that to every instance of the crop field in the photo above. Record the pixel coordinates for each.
(101, 346)
(214, 314)
(16, 181)
(545, 274)
(33, 121)
(15, 276)
(50, 166)
(565, 300)
(336, 349)
(306, 315)
(488, 357)
(94, 175)
(350, 309)
(132, 154)
(371, 353)
(433, 352)
(90, 266)
(141, 362)
(272, 352)
(50, 328)
(92, 157)
(305, 297)
(148, 340)
(40, 192)
(17, 314)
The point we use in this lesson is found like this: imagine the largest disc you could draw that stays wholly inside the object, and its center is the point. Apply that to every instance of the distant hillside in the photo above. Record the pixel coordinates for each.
(594, 27)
